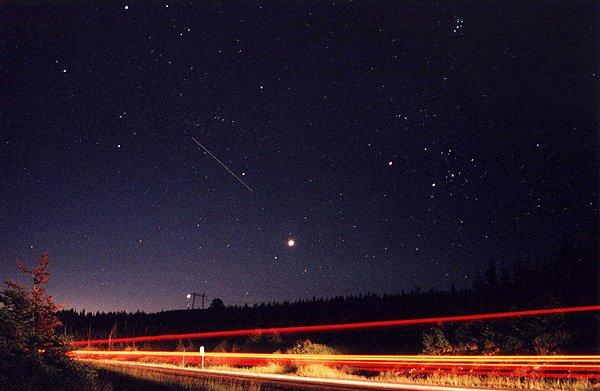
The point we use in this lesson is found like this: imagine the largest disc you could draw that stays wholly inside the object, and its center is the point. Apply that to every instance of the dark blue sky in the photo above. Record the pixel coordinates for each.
(399, 143)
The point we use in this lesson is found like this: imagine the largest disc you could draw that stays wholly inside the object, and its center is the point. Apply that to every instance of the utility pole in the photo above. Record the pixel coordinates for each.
(193, 297)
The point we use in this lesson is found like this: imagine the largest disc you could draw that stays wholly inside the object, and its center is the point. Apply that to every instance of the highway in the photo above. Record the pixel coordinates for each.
(519, 366)
(278, 382)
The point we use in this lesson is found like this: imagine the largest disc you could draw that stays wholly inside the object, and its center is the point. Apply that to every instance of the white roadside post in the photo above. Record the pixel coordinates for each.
(202, 356)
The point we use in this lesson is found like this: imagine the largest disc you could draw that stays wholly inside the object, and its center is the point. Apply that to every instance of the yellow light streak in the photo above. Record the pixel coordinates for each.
(343, 357)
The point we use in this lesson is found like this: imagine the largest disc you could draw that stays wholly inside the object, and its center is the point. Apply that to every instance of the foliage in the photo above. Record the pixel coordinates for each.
(128, 378)
(217, 304)
(29, 315)
(308, 347)
(435, 343)
(538, 335)
(32, 355)
(489, 382)
(325, 372)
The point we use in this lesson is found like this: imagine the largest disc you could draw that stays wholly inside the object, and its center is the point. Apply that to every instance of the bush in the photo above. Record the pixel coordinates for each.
(308, 347)
(435, 342)
(22, 371)
(32, 356)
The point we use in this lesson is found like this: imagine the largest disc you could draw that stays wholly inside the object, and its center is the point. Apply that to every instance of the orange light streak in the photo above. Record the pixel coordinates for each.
(585, 366)
(400, 358)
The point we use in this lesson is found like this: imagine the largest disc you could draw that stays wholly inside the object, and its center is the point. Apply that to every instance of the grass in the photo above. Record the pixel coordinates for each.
(304, 369)
(271, 368)
(496, 382)
(117, 378)
(323, 371)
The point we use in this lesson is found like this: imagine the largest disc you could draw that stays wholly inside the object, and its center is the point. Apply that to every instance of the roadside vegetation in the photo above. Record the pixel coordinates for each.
(304, 369)
(32, 355)
(324, 371)
(125, 378)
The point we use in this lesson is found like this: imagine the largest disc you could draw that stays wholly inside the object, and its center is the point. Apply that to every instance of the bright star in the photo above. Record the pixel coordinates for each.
(291, 242)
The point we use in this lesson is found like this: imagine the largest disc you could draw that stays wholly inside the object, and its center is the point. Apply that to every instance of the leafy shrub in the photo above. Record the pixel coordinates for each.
(32, 355)
(308, 347)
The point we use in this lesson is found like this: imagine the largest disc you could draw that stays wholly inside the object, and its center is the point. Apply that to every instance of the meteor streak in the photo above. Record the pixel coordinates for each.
(223, 164)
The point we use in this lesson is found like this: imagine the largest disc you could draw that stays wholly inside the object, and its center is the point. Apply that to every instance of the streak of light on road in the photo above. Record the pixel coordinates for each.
(343, 357)
(572, 366)
(322, 383)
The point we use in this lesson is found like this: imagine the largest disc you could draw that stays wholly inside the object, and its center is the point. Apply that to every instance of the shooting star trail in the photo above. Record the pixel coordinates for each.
(223, 164)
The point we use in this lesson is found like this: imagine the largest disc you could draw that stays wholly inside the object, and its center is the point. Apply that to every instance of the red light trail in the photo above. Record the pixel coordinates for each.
(558, 366)
(286, 379)
(343, 326)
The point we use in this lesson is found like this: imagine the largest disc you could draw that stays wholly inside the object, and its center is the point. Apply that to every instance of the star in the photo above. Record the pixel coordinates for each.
(291, 243)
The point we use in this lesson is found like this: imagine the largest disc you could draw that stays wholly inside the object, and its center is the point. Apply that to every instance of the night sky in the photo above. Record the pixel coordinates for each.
(397, 143)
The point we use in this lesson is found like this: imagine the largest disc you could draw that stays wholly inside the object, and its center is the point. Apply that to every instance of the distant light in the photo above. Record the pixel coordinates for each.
(433, 184)
(390, 163)
(189, 296)
(291, 242)
(126, 7)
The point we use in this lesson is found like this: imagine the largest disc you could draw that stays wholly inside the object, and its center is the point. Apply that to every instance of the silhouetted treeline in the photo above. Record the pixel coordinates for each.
(568, 279)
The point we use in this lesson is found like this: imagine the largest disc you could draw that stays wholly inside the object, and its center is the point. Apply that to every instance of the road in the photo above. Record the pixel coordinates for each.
(554, 366)
(277, 382)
